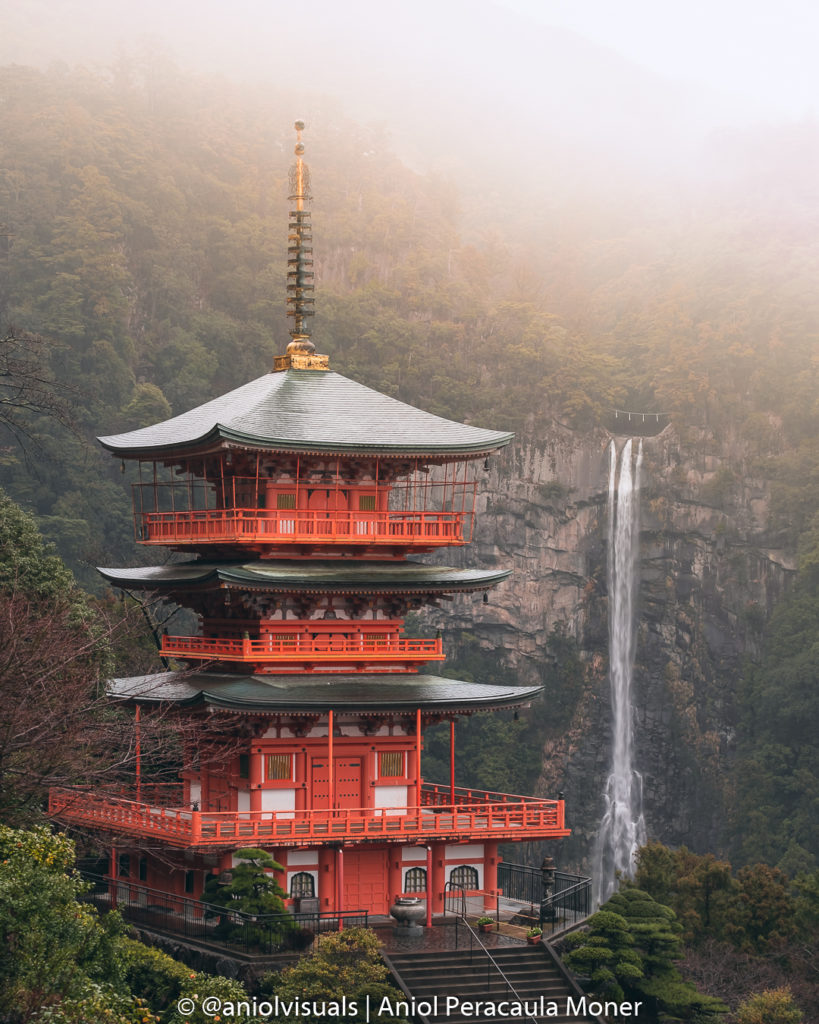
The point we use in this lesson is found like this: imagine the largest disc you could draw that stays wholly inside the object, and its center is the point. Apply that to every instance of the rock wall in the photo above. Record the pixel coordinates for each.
(708, 581)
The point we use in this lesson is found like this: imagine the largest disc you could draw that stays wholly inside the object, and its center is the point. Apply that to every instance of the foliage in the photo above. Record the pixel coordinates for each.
(250, 889)
(27, 390)
(744, 931)
(52, 947)
(700, 889)
(234, 1004)
(152, 974)
(344, 964)
(777, 769)
(30, 566)
(56, 648)
(628, 951)
(773, 1006)
(61, 963)
(754, 909)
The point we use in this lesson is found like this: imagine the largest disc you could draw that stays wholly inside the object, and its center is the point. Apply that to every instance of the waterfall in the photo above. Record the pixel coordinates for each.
(622, 828)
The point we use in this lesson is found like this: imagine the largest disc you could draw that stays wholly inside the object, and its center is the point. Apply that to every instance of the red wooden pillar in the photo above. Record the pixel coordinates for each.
(340, 885)
(113, 871)
(301, 780)
(429, 887)
(256, 776)
(452, 761)
(395, 874)
(438, 876)
(331, 773)
(490, 875)
(326, 879)
(418, 757)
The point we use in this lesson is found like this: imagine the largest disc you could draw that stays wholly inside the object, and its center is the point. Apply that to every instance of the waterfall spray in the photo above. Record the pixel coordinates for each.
(622, 828)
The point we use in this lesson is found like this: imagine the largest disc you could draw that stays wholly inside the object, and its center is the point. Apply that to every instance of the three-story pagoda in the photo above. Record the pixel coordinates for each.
(300, 501)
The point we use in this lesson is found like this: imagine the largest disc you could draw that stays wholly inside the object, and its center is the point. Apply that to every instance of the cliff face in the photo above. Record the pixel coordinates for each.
(708, 580)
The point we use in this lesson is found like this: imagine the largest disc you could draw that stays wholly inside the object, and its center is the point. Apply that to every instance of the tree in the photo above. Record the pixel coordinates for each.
(249, 888)
(57, 961)
(630, 951)
(699, 888)
(61, 963)
(604, 953)
(345, 964)
(27, 388)
(54, 653)
(773, 1006)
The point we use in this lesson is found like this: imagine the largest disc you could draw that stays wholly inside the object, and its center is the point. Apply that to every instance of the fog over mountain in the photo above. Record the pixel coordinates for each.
(475, 89)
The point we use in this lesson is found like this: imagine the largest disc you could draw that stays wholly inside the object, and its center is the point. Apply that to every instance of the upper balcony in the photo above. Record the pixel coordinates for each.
(444, 814)
(252, 527)
(313, 646)
(211, 505)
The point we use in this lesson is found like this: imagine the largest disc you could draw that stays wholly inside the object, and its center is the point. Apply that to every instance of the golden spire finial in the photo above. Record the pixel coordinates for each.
(301, 352)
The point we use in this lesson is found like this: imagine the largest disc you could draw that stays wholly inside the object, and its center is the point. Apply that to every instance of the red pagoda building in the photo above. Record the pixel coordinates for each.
(300, 501)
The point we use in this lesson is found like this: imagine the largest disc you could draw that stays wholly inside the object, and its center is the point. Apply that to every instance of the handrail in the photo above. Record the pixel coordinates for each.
(294, 525)
(473, 934)
(568, 977)
(510, 818)
(199, 920)
(420, 1018)
(314, 648)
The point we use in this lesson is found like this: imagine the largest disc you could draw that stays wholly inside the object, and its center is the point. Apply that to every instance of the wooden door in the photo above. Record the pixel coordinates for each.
(366, 881)
(347, 783)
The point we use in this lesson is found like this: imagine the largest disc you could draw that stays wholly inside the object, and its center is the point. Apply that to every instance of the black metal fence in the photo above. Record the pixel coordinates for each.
(262, 935)
(570, 899)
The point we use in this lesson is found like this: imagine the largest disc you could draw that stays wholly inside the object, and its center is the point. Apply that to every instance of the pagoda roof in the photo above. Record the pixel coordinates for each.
(299, 694)
(289, 575)
(308, 411)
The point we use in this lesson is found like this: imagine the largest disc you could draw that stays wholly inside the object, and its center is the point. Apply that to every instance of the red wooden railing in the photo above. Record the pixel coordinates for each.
(303, 648)
(297, 526)
(493, 816)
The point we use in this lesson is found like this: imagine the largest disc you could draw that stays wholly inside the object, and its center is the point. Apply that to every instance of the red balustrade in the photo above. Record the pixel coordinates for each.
(297, 648)
(302, 526)
(494, 816)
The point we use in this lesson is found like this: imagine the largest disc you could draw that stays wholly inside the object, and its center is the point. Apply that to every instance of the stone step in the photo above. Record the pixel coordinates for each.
(464, 975)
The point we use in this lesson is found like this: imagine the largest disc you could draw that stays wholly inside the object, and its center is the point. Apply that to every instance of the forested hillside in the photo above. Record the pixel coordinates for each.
(142, 270)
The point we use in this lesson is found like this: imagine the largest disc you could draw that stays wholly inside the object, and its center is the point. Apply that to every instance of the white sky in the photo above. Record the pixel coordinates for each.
(764, 50)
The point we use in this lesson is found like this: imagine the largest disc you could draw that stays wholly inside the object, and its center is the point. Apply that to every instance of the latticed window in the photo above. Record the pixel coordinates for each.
(366, 503)
(391, 764)
(302, 884)
(285, 501)
(279, 766)
(416, 880)
(464, 877)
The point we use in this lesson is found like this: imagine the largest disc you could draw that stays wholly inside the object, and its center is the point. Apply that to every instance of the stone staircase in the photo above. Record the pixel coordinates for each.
(441, 983)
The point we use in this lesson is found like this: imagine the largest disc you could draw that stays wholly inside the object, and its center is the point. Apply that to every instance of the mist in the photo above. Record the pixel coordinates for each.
(517, 101)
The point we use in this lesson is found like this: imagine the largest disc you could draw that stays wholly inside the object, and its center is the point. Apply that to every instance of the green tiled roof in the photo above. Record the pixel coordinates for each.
(309, 410)
(320, 693)
(339, 576)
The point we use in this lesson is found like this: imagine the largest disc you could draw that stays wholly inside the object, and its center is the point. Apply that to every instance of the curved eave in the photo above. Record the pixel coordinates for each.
(293, 694)
(308, 411)
(305, 577)
(221, 436)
